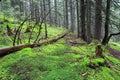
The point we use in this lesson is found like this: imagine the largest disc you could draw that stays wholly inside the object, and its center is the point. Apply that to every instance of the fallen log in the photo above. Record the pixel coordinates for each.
(8, 50)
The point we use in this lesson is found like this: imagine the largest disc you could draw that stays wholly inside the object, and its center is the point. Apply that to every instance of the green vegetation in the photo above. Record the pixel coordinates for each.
(55, 62)
(115, 45)
(58, 61)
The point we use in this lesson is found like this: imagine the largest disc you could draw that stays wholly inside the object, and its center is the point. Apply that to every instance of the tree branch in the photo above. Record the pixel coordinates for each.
(19, 29)
(113, 34)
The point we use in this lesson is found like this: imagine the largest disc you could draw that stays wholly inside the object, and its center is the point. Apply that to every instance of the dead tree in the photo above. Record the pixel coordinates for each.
(8, 50)
(19, 30)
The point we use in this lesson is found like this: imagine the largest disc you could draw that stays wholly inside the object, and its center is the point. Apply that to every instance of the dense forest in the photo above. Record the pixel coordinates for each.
(59, 39)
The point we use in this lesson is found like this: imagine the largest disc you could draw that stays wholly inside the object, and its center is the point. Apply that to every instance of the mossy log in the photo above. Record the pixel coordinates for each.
(8, 50)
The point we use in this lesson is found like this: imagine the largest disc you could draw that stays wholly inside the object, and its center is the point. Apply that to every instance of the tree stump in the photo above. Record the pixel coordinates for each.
(98, 51)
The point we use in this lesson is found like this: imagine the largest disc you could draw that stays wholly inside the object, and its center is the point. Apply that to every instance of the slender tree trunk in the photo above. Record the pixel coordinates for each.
(78, 18)
(41, 10)
(50, 19)
(36, 13)
(46, 35)
(105, 39)
(31, 9)
(56, 17)
(66, 16)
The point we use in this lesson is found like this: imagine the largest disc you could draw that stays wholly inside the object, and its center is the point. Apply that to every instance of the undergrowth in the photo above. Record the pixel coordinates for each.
(115, 45)
(57, 61)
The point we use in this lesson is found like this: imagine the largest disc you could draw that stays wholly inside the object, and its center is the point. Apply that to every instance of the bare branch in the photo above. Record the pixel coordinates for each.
(19, 29)
(113, 34)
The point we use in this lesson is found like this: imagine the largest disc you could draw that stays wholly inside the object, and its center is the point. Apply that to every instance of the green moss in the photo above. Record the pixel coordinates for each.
(114, 60)
(54, 49)
(115, 45)
(62, 74)
(97, 61)
(57, 61)
(76, 49)
(85, 61)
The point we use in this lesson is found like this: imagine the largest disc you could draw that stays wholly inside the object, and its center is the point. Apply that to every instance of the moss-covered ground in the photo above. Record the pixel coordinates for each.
(58, 61)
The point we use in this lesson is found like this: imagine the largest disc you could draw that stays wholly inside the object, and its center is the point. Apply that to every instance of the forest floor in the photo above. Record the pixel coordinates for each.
(70, 58)
(73, 40)
(114, 53)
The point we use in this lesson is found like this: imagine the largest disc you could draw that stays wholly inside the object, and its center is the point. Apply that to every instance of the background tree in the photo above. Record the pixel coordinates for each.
(88, 12)
(98, 19)
(72, 15)
(66, 13)
(83, 29)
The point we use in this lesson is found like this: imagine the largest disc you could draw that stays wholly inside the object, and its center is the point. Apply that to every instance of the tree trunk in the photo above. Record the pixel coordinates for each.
(98, 19)
(46, 32)
(64, 15)
(31, 9)
(66, 12)
(89, 33)
(78, 18)
(50, 18)
(72, 15)
(105, 39)
(83, 30)
(56, 17)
